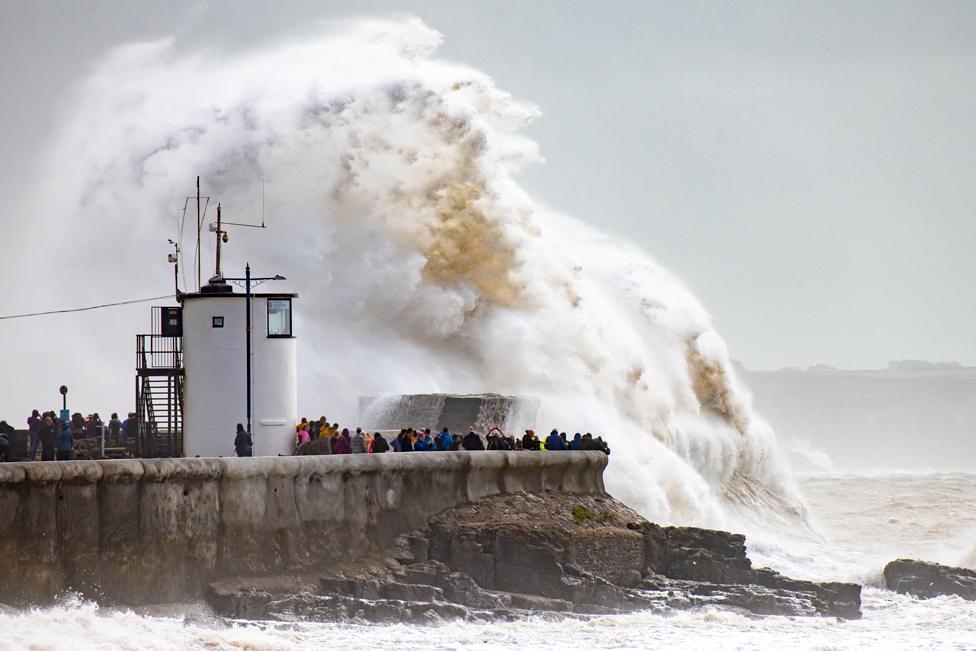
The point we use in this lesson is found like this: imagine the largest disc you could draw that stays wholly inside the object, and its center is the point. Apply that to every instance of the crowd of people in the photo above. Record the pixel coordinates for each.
(54, 437)
(342, 441)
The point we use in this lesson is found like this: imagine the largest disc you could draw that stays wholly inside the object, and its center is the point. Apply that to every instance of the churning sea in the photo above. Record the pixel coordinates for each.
(865, 521)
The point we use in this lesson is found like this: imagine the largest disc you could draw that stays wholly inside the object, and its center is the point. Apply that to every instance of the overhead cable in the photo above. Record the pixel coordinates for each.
(84, 309)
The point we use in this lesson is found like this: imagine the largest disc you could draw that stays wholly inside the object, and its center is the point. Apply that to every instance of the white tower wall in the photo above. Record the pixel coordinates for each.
(214, 389)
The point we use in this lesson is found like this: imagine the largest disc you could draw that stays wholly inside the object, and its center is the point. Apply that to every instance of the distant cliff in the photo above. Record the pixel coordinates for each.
(913, 415)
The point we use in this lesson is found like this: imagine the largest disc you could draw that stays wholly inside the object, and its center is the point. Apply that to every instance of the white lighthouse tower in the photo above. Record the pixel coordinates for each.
(217, 367)
(221, 358)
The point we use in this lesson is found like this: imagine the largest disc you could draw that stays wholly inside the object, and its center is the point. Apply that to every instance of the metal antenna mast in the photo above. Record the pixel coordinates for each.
(201, 216)
(199, 228)
(219, 233)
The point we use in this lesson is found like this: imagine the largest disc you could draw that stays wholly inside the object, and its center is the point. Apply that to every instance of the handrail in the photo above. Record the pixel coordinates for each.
(158, 352)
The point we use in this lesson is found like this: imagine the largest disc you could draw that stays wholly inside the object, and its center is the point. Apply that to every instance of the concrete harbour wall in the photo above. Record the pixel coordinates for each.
(159, 530)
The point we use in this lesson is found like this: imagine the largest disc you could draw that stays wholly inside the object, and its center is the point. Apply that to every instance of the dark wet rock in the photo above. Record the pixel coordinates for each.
(835, 599)
(927, 580)
(248, 598)
(518, 553)
(411, 592)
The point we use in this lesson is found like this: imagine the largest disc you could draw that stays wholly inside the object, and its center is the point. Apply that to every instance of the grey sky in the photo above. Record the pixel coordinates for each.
(806, 167)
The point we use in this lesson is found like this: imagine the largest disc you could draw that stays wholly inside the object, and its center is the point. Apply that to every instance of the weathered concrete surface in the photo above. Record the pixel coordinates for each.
(160, 530)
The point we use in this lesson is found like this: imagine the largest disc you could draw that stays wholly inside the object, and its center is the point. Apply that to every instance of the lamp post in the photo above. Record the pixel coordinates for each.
(64, 402)
(248, 281)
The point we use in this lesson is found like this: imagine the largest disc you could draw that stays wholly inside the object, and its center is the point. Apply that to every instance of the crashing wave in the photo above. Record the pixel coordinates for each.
(423, 265)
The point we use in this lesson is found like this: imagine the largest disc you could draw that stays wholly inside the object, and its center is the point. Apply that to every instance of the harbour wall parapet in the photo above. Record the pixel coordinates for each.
(142, 531)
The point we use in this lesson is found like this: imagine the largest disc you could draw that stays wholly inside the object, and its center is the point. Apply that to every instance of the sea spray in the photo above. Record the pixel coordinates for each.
(386, 177)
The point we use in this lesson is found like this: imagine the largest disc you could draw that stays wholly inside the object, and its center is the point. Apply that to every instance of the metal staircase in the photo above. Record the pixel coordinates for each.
(159, 395)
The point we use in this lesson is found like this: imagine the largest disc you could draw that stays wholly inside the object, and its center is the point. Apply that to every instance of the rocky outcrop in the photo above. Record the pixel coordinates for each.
(577, 555)
(927, 580)
(718, 557)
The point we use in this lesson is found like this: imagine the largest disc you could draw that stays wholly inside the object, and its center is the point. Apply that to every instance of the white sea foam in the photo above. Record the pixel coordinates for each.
(421, 263)
(890, 622)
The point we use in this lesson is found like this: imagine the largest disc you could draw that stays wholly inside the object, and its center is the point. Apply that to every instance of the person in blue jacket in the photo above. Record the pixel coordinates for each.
(555, 442)
(424, 443)
(577, 442)
(66, 443)
(444, 440)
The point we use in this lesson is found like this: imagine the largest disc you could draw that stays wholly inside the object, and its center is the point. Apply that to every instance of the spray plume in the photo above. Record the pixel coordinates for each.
(422, 264)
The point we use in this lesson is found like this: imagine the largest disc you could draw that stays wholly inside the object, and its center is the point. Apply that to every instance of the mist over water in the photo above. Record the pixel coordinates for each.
(390, 189)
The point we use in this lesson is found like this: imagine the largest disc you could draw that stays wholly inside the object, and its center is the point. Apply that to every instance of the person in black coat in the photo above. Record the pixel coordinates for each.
(4, 442)
(49, 439)
(406, 445)
(380, 444)
(529, 441)
(242, 442)
(472, 441)
(590, 443)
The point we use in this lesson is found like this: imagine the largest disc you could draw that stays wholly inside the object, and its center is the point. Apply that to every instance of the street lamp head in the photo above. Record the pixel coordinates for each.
(279, 278)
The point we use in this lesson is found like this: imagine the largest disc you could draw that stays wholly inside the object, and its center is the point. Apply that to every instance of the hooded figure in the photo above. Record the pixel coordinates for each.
(577, 442)
(4, 442)
(66, 443)
(590, 443)
(555, 442)
(358, 442)
(496, 439)
(242, 442)
(78, 425)
(424, 443)
(34, 429)
(343, 444)
(444, 440)
(114, 428)
(129, 427)
(406, 445)
(303, 435)
(49, 436)
(472, 441)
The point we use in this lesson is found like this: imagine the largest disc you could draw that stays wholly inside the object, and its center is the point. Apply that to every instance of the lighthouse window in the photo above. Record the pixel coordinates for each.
(279, 317)
(218, 322)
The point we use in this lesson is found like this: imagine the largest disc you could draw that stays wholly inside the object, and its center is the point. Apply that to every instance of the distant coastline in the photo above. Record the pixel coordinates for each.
(913, 414)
